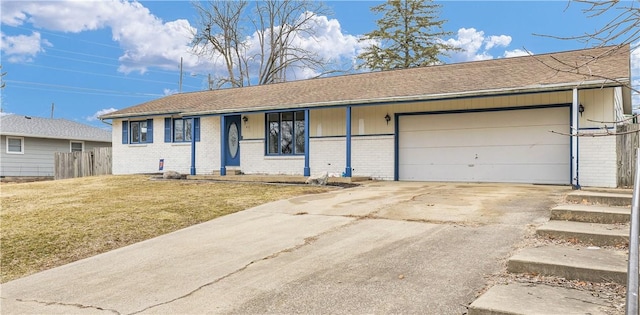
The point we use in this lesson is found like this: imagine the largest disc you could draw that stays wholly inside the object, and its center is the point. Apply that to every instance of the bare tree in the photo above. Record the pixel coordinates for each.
(227, 27)
(619, 32)
(220, 37)
(622, 28)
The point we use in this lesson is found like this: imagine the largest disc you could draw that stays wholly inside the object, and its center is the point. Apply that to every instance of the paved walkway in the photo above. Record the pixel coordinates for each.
(385, 247)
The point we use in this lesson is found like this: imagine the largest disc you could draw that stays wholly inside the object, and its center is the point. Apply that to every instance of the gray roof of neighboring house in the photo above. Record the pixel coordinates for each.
(37, 127)
(506, 75)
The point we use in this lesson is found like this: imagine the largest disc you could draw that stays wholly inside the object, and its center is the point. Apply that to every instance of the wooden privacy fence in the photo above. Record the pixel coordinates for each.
(627, 143)
(80, 164)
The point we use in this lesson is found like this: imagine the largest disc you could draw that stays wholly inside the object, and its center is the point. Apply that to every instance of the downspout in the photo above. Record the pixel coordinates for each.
(193, 147)
(347, 170)
(223, 147)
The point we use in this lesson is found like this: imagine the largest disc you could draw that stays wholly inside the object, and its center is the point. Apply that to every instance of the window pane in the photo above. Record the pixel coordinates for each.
(299, 132)
(143, 131)
(15, 145)
(76, 146)
(187, 129)
(286, 133)
(135, 132)
(178, 130)
(274, 133)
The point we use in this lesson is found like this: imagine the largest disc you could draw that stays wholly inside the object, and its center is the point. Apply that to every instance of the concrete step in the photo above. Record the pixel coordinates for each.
(599, 198)
(586, 233)
(591, 213)
(573, 263)
(528, 299)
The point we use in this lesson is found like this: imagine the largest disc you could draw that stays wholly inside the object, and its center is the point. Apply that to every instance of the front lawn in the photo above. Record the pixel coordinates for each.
(48, 224)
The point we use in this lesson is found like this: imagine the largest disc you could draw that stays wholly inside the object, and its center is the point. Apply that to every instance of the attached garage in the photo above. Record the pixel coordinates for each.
(495, 145)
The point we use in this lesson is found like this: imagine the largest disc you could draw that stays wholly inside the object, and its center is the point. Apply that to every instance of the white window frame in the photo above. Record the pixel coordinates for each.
(21, 145)
(71, 146)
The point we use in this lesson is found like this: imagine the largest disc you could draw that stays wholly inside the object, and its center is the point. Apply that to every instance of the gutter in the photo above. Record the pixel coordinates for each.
(396, 99)
(14, 134)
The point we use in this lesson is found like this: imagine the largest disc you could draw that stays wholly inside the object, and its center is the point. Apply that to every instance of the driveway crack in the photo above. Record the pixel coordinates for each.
(77, 305)
(307, 241)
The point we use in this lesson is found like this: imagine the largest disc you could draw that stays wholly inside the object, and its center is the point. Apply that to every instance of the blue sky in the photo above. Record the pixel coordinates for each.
(91, 57)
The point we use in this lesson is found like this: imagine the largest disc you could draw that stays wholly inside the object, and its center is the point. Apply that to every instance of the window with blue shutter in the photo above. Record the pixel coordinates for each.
(149, 131)
(125, 132)
(139, 132)
(179, 129)
(167, 130)
(196, 127)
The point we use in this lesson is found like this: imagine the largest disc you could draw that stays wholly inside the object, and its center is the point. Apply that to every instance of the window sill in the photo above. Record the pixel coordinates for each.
(15, 152)
(180, 144)
(136, 145)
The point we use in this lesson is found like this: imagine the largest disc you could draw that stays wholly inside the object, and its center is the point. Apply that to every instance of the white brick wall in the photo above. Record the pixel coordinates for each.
(144, 158)
(370, 156)
(253, 160)
(328, 155)
(597, 162)
(373, 156)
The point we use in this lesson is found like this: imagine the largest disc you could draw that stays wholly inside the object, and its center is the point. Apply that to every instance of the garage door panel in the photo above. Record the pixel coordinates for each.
(481, 120)
(490, 173)
(508, 146)
(490, 136)
(482, 155)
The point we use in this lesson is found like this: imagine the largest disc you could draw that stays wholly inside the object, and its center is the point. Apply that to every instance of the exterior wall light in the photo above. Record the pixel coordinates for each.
(387, 118)
(245, 119)
(580, 109)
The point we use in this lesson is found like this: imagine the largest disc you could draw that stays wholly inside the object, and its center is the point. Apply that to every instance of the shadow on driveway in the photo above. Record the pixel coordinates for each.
(384, 247)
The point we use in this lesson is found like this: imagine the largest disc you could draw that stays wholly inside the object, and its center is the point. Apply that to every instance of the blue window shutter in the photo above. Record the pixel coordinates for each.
(149, 130)
(196, 128)
(167, 130)
(125, 132)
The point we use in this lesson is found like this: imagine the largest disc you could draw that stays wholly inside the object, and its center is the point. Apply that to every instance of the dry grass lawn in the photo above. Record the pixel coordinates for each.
(48, 224)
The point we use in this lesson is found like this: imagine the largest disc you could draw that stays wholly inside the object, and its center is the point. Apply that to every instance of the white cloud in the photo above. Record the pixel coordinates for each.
(167, 92)
(475, 45)
(325, 38)
(516, 53)
(497, 41)
(147, 41)
(101, 112)
(22, 48)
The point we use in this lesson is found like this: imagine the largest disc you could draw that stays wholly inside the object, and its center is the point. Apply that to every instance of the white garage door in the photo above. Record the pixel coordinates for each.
(501, 146)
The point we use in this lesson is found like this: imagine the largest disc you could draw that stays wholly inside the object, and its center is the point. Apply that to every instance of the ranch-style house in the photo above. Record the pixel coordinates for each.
(501, 120)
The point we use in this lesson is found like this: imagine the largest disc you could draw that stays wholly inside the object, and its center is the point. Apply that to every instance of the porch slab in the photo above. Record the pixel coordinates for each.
(273, 178)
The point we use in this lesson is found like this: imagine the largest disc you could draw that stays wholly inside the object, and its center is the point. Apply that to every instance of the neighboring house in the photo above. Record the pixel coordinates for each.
(483, 121)
(29, 143)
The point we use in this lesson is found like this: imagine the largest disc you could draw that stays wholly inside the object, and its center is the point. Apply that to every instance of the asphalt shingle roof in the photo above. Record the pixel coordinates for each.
(443, 81)
(37, 127)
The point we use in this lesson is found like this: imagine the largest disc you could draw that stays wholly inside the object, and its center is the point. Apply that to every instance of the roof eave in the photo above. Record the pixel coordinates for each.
(26, 135)
(415, 98)
(138, 115)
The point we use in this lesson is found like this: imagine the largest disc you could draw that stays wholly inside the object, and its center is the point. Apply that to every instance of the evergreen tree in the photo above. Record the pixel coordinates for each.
(408, 35)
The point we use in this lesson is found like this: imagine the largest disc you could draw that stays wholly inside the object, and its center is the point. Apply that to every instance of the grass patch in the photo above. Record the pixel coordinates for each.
(48, 224)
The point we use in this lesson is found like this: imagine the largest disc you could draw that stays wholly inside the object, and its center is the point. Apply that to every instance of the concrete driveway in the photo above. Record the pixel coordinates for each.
(384, 247)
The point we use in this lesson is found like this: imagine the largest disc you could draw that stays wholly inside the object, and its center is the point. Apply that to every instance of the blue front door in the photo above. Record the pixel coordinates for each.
(232, 126)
